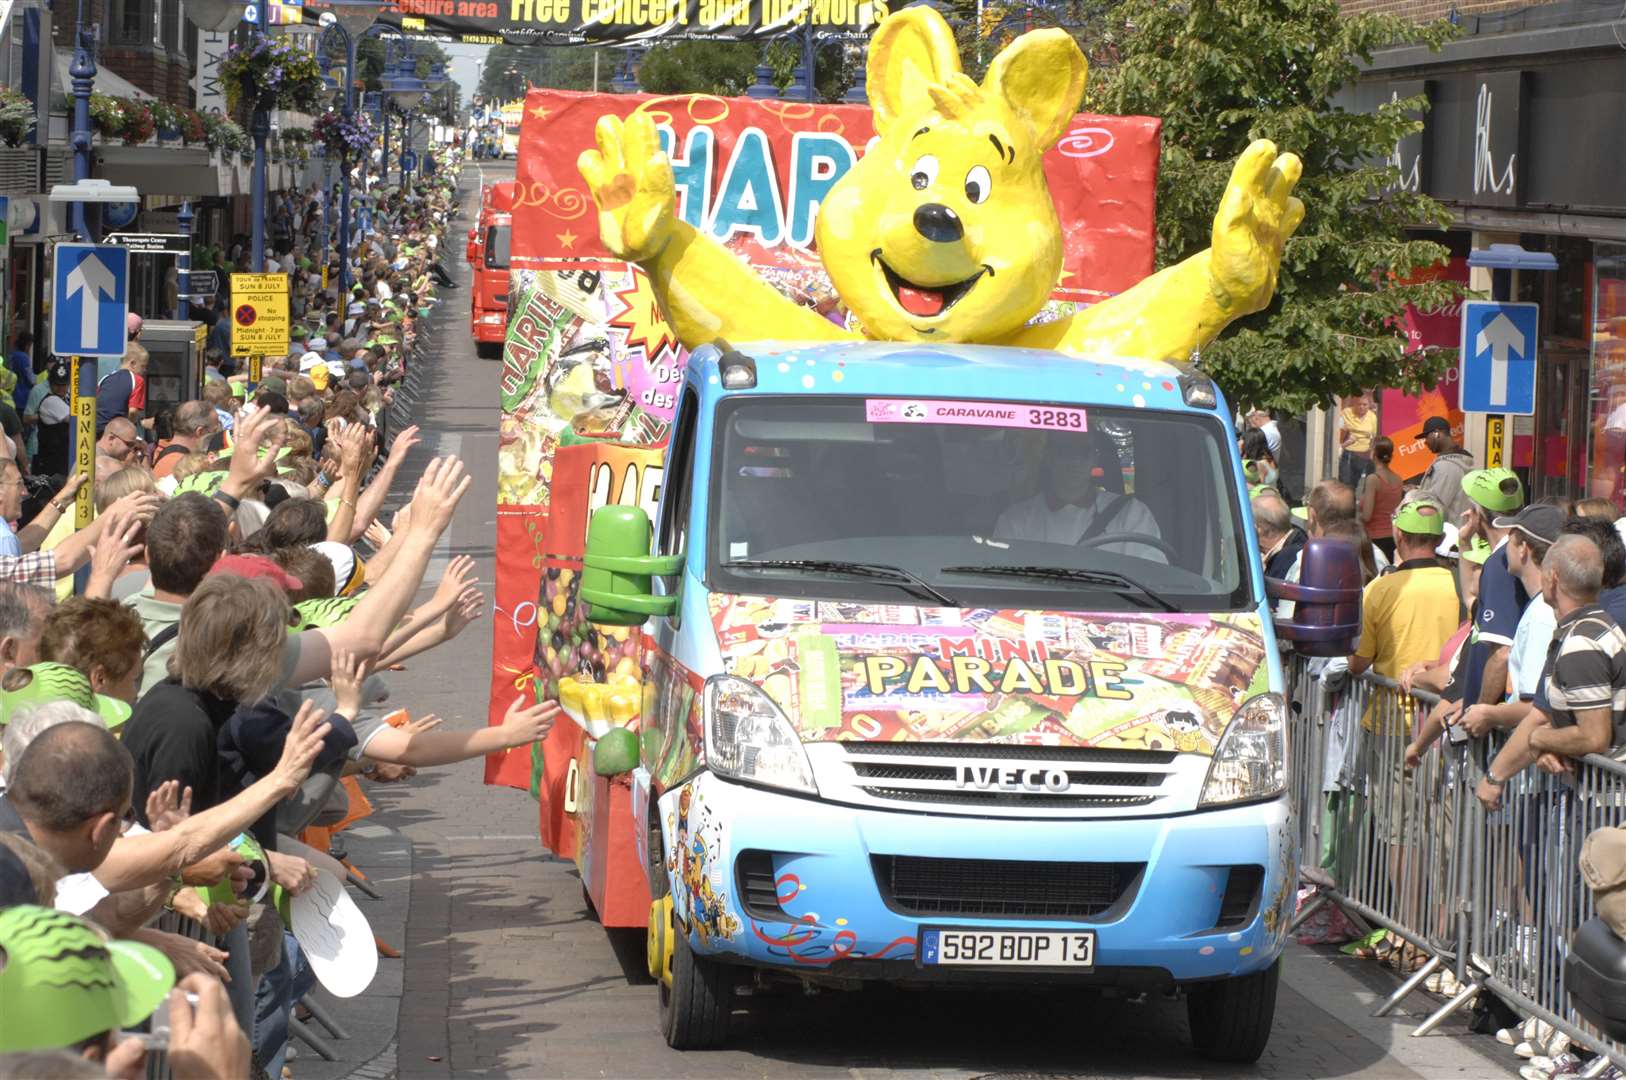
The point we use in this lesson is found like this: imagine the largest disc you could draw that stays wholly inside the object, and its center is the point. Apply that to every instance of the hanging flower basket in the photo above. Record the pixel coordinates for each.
(168, 119)
(341, 135)
(193, 128)
(16, 116)
(271, 73)
(224, 137)
(139, 124)
(107, 115)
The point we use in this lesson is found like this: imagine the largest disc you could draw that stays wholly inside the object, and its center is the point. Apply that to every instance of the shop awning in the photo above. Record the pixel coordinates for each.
(106, 81)
(180, 171)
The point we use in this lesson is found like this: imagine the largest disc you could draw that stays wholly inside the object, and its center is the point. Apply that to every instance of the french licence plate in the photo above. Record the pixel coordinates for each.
(948, 946)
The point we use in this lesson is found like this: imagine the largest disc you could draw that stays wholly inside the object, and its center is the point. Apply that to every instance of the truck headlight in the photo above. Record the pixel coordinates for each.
(748, 738)
(1250, 761)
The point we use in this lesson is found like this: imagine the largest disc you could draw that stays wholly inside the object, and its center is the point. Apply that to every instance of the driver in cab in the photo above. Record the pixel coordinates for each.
(1072, 509)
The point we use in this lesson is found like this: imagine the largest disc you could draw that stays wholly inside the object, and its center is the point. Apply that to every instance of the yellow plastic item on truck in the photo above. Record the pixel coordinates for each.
(945, 230)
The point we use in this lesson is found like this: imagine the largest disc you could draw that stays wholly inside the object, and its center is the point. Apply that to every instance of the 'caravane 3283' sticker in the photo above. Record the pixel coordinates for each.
(1008, 414)
(899, 673)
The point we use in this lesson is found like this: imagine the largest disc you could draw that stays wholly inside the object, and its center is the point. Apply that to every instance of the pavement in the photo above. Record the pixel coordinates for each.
(504, 974)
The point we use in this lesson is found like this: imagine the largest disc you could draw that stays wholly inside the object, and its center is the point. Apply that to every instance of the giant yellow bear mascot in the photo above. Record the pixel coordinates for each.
(945, 230)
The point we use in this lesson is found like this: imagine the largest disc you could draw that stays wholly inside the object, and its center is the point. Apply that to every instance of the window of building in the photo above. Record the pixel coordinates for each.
(1554, 462)
(131, 22)
(1606, 477)
(169, 29)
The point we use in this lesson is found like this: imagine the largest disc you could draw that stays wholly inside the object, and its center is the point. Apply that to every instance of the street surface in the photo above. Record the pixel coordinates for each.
(504, 974)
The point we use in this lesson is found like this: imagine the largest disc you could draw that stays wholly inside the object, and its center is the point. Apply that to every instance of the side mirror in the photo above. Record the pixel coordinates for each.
(1326, 616)
(617, 568)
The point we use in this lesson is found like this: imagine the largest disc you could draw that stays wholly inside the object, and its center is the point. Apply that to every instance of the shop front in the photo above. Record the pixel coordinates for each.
(1523, 141)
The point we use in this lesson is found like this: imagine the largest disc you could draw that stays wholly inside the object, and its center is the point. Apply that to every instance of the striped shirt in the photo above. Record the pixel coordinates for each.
(1586, 669)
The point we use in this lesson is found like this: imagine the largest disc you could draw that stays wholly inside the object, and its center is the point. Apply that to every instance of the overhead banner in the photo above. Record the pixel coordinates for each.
(589, 353)
(569, 22)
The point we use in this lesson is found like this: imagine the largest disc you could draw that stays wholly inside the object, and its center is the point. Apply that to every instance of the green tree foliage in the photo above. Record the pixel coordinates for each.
(726, 68)
(983, 27)
(371, 53)
(729, 68)
(510, 68)
(1223, 72)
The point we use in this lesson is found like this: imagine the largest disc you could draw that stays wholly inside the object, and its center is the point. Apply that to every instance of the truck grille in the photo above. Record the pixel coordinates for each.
(1004, 888)
(993, 775)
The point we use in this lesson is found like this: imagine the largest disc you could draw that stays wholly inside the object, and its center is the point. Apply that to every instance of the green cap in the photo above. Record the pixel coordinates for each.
(1477, 551)
(226, 454)
(204, 483)
(41, 683)
(325, 611)
(1423, 516)
(1497, 490)
(48, 681)
(63, 982)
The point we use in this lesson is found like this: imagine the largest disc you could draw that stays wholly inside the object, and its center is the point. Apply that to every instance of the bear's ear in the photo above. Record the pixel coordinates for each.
(911, 50)
(1040, 76)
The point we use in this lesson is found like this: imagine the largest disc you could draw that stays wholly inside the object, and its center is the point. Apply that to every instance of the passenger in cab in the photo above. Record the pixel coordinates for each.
(1072, 507)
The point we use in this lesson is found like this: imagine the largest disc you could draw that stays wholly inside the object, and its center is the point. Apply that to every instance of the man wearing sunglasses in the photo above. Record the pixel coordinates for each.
(120, 445)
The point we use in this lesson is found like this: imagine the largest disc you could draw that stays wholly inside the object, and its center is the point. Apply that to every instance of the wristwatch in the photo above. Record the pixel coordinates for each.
(1491, 777)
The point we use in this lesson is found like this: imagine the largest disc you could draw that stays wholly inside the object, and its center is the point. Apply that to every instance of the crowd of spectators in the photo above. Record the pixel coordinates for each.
(171, 720)
(1509, 611)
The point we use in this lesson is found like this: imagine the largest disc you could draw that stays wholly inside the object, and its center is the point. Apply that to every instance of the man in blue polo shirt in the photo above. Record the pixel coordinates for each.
(1502, 596)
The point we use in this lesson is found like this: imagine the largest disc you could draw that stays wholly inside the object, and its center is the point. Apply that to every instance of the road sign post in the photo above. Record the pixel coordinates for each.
(1495, 444)
(202, 283)
(82, 392)
(1499, 357)
(90, 298)
(259, 312)
(90, 301)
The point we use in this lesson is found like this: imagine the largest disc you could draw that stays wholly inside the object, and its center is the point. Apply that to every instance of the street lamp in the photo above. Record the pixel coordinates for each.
(433, 84)
(402, 88)
(352, 19)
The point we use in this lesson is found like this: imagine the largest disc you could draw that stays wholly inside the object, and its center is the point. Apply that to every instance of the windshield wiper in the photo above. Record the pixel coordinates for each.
(1060, 573)
(879, 571)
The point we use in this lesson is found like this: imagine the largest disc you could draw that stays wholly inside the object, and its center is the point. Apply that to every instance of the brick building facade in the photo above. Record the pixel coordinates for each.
(149, 43)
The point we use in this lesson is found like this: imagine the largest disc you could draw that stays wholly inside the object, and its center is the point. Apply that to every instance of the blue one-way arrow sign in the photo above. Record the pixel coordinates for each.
(1499, 357)
(90, 299)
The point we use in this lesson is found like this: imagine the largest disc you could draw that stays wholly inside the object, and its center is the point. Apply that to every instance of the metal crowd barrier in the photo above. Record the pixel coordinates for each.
(1494, 897)
(171, 923)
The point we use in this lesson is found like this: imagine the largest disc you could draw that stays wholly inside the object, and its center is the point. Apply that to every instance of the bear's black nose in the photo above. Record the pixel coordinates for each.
(938, 223)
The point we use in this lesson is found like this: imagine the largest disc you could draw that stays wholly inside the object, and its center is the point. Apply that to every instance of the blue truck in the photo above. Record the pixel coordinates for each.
(958, 666)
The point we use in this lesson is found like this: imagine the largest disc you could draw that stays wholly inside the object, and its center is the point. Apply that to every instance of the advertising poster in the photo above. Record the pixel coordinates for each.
(589, 354)
(1401, 415)
(897, 672)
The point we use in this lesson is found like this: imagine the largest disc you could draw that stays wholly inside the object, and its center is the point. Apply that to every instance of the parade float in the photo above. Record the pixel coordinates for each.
(950, 215)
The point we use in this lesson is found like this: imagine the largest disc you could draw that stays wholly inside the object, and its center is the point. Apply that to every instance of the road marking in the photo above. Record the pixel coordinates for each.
(496, 836)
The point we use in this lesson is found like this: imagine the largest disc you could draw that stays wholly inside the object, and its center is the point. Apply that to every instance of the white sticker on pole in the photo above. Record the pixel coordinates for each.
(336, 936)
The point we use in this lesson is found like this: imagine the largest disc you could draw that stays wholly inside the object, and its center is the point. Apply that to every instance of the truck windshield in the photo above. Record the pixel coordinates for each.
(497, 247)
(1090, 508)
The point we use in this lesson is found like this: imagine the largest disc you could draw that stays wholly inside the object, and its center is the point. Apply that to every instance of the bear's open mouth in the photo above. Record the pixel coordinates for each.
(925, 301)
